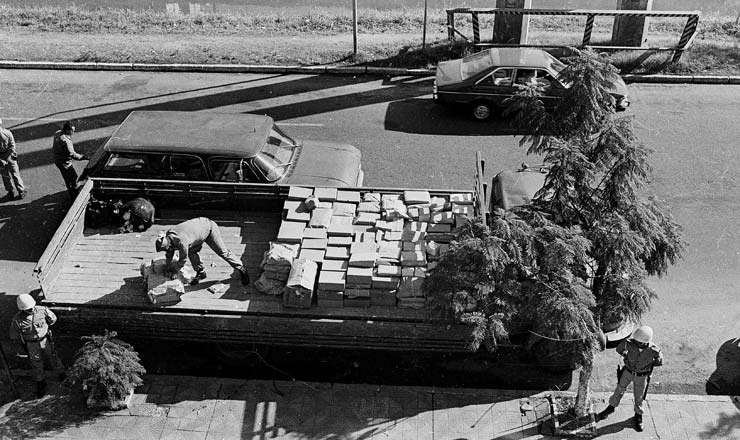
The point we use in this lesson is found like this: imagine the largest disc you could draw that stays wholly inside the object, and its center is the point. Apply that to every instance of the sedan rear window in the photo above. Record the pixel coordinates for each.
(473, 64)
(275, 156)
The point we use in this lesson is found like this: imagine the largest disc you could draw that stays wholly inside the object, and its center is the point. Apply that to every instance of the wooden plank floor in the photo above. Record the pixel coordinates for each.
(103, 270)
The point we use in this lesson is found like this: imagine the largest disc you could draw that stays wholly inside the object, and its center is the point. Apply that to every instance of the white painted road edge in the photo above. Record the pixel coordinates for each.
(314, 70)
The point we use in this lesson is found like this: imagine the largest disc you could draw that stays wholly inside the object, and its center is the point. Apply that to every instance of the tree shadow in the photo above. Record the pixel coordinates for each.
(48, 416)
(725, 380)
(726, 426)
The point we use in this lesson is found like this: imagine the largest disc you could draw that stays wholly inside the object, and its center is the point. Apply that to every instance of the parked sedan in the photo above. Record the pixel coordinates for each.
(221, 147)
(484, 80)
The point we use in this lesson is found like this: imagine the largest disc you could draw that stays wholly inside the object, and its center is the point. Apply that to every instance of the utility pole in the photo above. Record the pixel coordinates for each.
(354, 27)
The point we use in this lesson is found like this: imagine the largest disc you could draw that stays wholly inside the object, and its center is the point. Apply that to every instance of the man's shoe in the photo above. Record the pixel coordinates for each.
(22, 195)
(244, 276)
(40, 389)
(198, 276)
(606, 413)
(638, 422)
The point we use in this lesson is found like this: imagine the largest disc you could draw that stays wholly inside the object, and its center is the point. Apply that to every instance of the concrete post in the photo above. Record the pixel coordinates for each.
(510, 28)
(631, 31)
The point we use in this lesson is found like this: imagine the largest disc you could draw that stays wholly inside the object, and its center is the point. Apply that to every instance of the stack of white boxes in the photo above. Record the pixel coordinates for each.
(372, 248)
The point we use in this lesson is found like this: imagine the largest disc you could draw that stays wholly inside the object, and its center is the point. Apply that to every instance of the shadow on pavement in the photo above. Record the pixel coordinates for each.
(29, 419)
(726, 427)
(27, 227)
(725, 380)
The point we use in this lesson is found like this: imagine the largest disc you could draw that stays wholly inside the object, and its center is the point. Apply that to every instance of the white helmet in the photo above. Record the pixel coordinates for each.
(643, 334)
(25, 302)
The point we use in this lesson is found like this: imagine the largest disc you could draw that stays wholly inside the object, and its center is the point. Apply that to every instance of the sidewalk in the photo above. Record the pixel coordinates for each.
(180, 407)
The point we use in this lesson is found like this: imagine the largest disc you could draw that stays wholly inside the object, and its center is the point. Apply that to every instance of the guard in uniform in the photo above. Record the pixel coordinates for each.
(640, 357)
(29, 329)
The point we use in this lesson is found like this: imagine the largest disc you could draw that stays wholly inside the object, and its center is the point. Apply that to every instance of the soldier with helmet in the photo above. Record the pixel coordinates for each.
(29, 329)
(640, 357)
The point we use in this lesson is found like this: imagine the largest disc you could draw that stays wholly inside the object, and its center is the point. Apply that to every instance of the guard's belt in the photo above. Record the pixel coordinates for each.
(644, 373)
(36, 340)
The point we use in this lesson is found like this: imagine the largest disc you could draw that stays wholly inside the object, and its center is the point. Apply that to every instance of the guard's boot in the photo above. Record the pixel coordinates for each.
(40, 389)
(198, 276)
(609, 410)
(638, 422)
(244, 276)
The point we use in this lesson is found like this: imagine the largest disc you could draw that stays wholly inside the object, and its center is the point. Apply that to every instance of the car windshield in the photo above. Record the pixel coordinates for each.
(274, 158)
(475, 63)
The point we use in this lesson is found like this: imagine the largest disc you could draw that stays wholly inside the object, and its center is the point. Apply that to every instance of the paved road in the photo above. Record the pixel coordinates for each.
(408, 141)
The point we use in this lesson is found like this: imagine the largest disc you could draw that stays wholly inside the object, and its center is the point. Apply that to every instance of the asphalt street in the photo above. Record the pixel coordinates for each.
(407, 141)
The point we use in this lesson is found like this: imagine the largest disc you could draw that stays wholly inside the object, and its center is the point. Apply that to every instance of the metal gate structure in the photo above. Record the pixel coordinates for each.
(687, 36)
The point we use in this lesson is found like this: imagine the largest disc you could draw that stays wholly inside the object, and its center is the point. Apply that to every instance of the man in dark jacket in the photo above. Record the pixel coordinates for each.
(640, 356)
(64, 154)
(137, 215)
(9, 165)
(187, 239)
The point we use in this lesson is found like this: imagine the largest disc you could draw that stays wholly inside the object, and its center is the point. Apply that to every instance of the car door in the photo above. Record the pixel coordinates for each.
(186, 167)
(550, 87)
(133, 165)
(232, 170)
(495, 86)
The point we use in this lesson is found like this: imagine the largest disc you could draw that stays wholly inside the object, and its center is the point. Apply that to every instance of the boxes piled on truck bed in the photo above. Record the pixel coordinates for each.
(298, 290)
(160, 289)
(276, 265)
(374, 248)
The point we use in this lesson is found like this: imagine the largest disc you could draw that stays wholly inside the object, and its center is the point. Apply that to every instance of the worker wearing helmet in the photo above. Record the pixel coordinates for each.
(640, 356)
(29, 329)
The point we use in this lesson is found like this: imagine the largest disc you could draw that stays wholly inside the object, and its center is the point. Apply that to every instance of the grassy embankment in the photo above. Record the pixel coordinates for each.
(316, 37)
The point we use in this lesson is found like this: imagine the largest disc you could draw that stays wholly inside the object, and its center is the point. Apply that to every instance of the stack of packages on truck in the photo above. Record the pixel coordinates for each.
(354, 248)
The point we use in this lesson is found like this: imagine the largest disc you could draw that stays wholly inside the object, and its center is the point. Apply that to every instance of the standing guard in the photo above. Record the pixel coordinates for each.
(29, 329)
(640, 357)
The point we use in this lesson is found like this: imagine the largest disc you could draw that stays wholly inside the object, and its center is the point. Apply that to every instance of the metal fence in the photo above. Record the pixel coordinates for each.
(687, 36)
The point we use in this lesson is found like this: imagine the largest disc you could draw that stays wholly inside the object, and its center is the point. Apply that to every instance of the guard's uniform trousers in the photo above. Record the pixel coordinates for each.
(638, 365)
(33, 332)
(188, 237)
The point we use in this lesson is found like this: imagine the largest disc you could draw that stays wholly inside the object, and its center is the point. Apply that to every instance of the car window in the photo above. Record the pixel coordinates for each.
(275, 157)
(232, 170)
(545, 79)
(187, 167)
(502, 77)
(135, 165)
(476, 63)
(525, 76)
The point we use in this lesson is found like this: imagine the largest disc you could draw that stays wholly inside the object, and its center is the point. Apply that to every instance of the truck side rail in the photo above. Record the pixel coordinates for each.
(72, 225)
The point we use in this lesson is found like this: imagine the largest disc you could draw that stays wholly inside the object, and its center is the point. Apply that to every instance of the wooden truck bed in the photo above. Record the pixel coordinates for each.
(91, 278)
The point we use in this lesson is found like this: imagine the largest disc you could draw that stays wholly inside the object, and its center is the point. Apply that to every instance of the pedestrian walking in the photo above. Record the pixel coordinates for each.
(29, 330)
(187, 239)
(64, 154)
(640, 357)
(9, 169)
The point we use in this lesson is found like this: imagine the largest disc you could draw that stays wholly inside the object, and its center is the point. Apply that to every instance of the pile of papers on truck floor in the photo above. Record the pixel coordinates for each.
(276, 266)
(160, 289)
(372, 248)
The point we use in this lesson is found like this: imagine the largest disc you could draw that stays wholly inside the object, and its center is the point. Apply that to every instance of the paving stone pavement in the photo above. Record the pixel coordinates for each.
(179, 407)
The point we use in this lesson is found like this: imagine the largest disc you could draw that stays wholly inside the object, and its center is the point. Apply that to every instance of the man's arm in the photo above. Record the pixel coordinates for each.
(71, 150)
(182, 249)
(50, 317)
(622, 348)
(658, 358)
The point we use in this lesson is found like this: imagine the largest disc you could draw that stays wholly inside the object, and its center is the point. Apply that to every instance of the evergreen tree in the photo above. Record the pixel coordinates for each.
(107, 368)
(580, 254)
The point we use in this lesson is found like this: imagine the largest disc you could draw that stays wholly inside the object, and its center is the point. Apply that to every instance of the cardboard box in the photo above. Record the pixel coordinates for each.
(344, 195)
(343, 209)
(294, 210)
(413, 197)
(360, 275)
(336, 253)
(410, 287)
(440, 237)
(314, 243)
(407, 271)
(315, 233)
(335, 265)
(412, 246)
(391, 252)
(462, 198)
(393, 236)
(387, 270)
(408, 235)
(372, 197)
(299, 193)
(364, 237)
(413, 259)
(357, 293)
(363, 247)
(331, 280)
(420, 272)
(443, 217)
(291, 232)
(325, 194)
(340, 241)
(325, 205)
(340, 230)
(389, 283)
(373, 207)
(365, 259)
(316, 255)
(462, 209)
(444, 228)
(366, 218)
(415, 226)
(320, 218)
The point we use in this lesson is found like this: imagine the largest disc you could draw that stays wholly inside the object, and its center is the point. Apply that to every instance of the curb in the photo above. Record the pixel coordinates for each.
(313, 70)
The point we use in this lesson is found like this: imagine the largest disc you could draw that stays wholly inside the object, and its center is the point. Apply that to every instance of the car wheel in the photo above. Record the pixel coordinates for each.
(482, 111)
